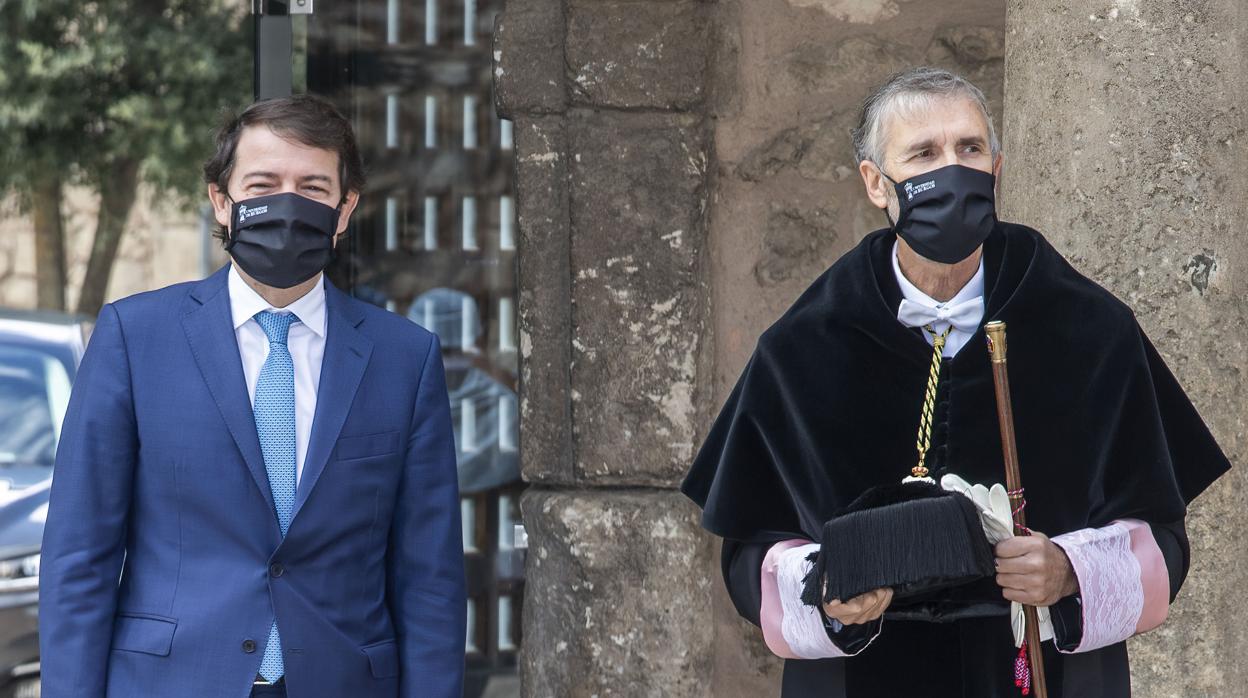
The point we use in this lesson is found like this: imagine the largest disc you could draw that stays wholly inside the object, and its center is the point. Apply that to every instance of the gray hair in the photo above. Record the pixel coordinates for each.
(906, 91)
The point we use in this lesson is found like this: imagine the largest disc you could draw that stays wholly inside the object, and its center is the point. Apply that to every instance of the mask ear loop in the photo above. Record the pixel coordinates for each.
(333, 250)
(891, 223)
(231, 231)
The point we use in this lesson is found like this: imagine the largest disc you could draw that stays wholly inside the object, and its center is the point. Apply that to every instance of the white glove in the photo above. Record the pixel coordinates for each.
(993, 505)
(998, 522)
(1018, 622)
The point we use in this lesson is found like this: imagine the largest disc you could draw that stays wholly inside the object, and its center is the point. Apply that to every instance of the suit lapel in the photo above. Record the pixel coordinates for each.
(347, 352)
(209, 329)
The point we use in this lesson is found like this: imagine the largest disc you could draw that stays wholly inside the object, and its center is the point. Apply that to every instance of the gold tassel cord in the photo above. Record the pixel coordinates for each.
(929, 400)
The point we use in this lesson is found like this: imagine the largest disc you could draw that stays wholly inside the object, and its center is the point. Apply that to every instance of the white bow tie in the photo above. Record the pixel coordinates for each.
(964, 316)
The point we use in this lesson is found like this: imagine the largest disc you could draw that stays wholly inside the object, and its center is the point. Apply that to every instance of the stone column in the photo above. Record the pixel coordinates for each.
(1124, 142)
(613, 149)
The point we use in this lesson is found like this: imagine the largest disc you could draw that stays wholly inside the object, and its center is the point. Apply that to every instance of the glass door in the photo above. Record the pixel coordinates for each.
(434, 240)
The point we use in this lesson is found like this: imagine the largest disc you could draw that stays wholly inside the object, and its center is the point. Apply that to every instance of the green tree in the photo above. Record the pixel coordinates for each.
(111, 94)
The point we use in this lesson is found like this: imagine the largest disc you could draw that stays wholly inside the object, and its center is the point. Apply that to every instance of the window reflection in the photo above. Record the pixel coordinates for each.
(434, 240)
(481, 407)
(34, 394)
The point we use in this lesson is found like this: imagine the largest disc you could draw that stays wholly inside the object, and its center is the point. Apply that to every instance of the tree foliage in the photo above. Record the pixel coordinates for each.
(114, 93)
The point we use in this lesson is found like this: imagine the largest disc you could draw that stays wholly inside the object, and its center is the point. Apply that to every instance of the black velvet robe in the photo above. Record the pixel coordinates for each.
(828, 406)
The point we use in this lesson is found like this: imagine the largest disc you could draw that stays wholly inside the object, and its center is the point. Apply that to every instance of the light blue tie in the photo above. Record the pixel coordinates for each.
(275, 423)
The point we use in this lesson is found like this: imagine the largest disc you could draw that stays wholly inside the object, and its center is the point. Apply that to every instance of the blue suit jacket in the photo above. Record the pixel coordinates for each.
(163, 564)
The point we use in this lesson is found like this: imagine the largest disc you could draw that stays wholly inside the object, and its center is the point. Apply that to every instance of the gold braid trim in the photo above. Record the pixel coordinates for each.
(929, 401)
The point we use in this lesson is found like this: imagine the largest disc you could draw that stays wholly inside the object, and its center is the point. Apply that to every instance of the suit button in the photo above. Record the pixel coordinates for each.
(249, 646)
(276, 569)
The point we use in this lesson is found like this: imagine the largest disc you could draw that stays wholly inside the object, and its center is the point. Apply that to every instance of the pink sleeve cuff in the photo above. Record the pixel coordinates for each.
(1123, 582)
(792, 629)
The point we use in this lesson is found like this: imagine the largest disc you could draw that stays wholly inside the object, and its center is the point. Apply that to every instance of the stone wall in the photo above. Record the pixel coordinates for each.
(1125, 138)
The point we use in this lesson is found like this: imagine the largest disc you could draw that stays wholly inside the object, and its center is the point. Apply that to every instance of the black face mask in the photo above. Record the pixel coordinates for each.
(946, 214)
(282, 240)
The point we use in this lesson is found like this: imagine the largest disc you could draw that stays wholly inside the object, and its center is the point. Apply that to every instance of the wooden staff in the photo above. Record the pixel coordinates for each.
(1014, 483)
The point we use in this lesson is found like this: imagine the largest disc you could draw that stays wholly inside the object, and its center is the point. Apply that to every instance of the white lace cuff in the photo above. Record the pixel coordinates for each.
(792, 629)
(1124, 586)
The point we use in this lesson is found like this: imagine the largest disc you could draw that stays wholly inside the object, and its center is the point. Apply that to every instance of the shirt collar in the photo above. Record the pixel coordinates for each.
(973, 288)
(245, 303)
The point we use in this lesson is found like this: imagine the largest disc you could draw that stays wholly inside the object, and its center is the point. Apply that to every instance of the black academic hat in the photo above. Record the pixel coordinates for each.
(914, 537)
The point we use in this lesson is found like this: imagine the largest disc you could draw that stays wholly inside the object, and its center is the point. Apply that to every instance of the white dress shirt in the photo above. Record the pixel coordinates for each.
(306, 343)
(973, 289)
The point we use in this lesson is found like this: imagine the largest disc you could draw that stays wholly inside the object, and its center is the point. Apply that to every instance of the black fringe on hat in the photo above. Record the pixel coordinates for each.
(914, 537)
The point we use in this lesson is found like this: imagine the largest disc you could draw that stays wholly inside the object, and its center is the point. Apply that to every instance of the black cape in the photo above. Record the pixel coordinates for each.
(828, 407)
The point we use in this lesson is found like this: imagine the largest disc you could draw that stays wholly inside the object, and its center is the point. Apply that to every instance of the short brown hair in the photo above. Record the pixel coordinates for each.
(304, 119)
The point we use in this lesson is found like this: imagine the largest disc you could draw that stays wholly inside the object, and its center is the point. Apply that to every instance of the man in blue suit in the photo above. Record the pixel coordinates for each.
(255, 492)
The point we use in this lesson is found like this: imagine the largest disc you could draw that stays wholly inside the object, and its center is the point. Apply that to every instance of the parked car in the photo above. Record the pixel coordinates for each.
(39, 355)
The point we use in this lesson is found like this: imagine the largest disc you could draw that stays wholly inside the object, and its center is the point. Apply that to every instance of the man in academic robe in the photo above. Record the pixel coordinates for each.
(1111, 449)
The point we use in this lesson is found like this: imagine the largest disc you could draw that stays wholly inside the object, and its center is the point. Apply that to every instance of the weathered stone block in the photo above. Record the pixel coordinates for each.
(854, 11)
(544, 251)
(640, 297)
(821, 151)
(826, 66)
(638, 54)
(1122, 146)
(724, 60)
(618, 596)
(528, 58)
(795, 237)
(970, 46)
(978, 54)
